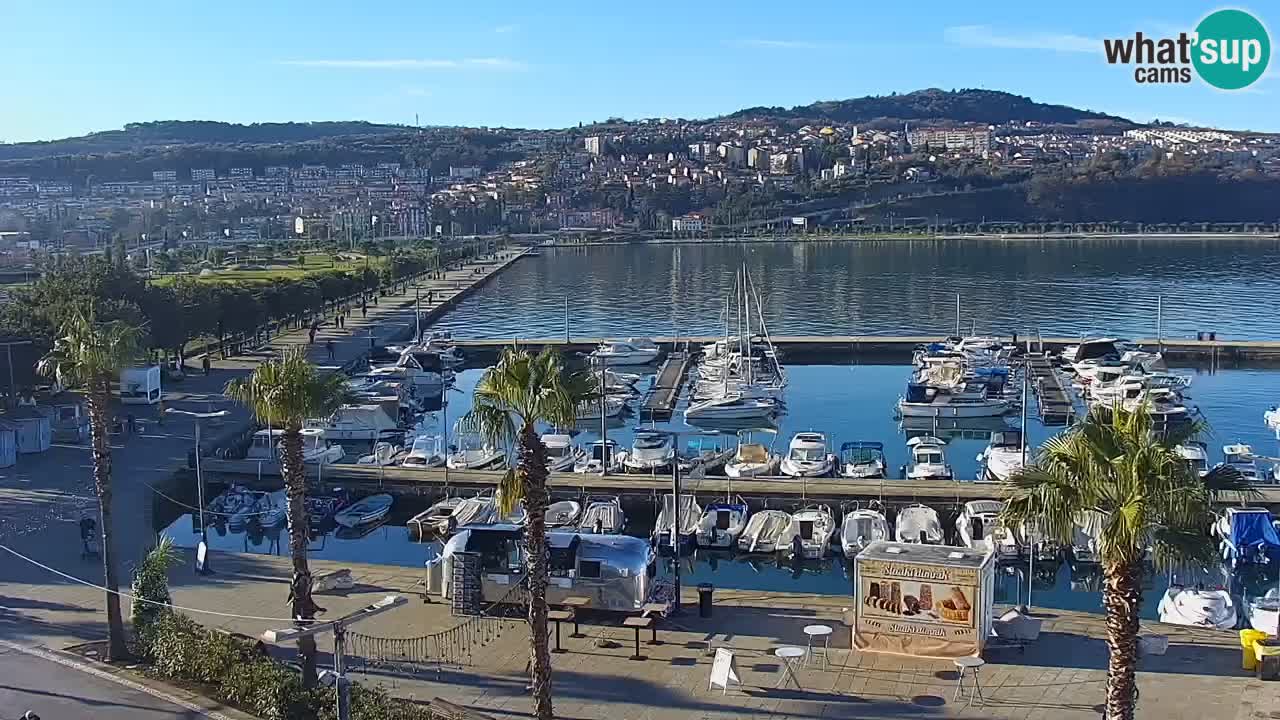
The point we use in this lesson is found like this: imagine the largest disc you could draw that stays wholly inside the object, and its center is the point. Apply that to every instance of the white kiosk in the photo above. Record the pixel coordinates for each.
(930, 601)
(140, 385)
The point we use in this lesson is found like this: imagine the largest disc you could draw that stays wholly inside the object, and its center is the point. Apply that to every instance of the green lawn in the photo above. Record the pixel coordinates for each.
(315, 264)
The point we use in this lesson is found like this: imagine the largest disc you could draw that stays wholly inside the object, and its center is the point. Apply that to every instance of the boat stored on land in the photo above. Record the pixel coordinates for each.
(1198, 608)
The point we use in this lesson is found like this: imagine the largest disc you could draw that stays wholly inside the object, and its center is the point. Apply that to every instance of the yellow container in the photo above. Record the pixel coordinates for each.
(1248, 641)
(1261, 651)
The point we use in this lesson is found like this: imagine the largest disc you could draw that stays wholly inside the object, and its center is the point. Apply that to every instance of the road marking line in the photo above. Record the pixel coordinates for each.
(110, 677)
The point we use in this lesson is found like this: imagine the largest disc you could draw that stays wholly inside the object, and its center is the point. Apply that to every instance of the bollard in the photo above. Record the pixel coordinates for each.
(705, 591)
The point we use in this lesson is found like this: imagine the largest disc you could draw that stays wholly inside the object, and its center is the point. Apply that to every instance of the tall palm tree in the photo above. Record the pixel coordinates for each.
(1112, 462)
(514, 395)
(90, 354)
(282, 393)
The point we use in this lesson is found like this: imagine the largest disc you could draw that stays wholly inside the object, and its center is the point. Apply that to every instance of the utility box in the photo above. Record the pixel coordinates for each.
(140, 385)
(931, 601)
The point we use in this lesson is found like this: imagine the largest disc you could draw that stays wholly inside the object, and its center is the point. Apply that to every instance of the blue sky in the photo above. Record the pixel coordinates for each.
(74, 67)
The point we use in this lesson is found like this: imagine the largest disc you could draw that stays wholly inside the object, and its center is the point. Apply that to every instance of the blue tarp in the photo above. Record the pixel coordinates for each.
(1250, 530)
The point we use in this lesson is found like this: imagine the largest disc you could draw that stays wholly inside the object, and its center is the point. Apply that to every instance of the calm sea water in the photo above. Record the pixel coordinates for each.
(1061, 287)
(848, 402)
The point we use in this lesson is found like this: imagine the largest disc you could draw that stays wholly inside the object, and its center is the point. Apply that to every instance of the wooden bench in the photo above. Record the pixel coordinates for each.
(638, 623)
(442, 708)
(559, 616)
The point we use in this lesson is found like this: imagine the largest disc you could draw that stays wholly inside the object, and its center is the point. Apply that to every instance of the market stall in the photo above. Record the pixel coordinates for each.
(923, 600)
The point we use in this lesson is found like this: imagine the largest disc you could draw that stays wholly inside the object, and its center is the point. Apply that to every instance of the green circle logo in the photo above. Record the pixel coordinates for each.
(1232, 49)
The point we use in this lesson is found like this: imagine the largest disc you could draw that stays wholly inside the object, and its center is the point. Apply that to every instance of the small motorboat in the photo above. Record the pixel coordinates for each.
(564, 513)
(561, 454)
(766, 532)
(255, 508)
(632, 351)
(689, 514)
(383, 455)
(435, 519)
(811, 531)
(1263, 613)
(603, 517)
(473, 453)
(918, 524)
(1003, 457)
(807, 456)
(928, 460)
(613, 407)
(651, 452)
(752, 460)
(979, 528)
(425, 453)
(600, 457)
(722, 523)
(365, 511)
(230, 502)
(1195, 455)
(1247, 535)
(860, 528)
(1240, 457)
(863, 460)
(1272, 418)
(1198, 608)
(474, 511)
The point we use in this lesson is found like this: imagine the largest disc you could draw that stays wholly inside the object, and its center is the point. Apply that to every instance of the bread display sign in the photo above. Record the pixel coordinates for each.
(933, 603)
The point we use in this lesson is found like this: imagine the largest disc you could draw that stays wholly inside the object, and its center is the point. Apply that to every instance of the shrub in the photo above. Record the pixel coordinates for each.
(151, 584)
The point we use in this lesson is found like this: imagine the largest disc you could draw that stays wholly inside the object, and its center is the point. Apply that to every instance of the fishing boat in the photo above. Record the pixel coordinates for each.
(721, 524)
(601, 457)
(1086, 537)
(928, 460)
(632, 351)
(811, 531)
(1003, 457)
(561, 453)
(733, 406)
(1247, 535)
(752, 460)
(564, 513)
(425, 453)
(474, 453)
(918, 524)
(364, 511)
(603, 517)
(766, 532)
(860, 528)
(384, 454)
(970, 401)
(979, 528)
(862, 459)
(1198, 607)
(689, 514)
(1263, 613)
(807, 456)
(651, 452)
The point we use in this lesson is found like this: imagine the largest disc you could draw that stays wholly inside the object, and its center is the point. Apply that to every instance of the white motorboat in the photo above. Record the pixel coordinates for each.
(564, 513)
(1272, 418)
(601, 456)
(970, 402)
(603, 517)
(316, 449)
(1086, 537)
(766, 531)
(365, 511)
(435, 519)
(613, 407)
(422, 369)
(688, 516)
(1002, 458)
(722, 524)
(369, 423)
(561, 453)
(863, 460)
(1263, 613)
(807, 456)
(752, 460)
(632, 351)
(811, 531)
(1241, 458)
(734, 406)
(1147, 361)
(928, 460)
(473, 453)
(257, 509)
(860, 528)
(425, 453)
(1195, 455)
(651, 452)
(979, 528)
(475, 511)
(384, 454)
(1198, 608)
(918, 524)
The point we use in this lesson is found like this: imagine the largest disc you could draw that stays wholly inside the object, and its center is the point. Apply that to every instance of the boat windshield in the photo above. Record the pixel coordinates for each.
(807, 454)
(598, 452)
(650, 442)
(929, 458)
(557, 451)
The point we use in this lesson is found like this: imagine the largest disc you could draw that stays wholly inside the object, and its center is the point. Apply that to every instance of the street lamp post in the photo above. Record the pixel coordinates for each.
(202, 552)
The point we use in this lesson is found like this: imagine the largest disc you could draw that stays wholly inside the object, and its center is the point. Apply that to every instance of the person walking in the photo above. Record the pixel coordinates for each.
(328, 346)
(311, 335)
(204, 364)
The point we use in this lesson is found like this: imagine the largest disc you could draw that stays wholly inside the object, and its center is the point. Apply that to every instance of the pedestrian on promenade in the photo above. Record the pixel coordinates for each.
(311, 335)
(328, 346)
(430, 294)
(342, 320)
(364, 310)
(204, 364)
(132, 424)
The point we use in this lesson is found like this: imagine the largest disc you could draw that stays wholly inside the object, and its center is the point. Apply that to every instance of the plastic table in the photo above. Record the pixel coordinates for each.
(818, 631)
(972, 665)
(788, 655)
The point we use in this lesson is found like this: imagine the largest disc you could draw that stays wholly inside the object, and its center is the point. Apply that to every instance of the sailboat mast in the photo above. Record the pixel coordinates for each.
(764, 329)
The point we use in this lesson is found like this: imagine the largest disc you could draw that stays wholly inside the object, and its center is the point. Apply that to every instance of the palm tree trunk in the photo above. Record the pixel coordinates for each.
(303, 607)
(98, 401)
(1122, 598)
(533, 467)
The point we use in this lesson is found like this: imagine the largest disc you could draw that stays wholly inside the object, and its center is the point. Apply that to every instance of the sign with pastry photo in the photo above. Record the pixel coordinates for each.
(921, 602)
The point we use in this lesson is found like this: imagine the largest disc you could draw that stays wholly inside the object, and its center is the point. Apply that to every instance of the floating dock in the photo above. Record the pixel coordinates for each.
(664, 394)
(1056, 406)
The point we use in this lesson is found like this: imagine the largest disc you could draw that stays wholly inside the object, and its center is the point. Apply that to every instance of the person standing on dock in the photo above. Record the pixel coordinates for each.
(328, 347)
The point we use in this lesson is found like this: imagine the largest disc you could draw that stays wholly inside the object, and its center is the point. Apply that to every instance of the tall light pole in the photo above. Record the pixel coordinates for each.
(202, 552)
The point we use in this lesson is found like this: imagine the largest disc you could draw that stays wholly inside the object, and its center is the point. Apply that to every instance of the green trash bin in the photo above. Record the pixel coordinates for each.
(1249, 658)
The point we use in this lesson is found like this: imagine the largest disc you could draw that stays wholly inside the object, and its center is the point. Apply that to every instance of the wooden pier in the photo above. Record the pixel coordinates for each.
(665, 392)
(1056, 406)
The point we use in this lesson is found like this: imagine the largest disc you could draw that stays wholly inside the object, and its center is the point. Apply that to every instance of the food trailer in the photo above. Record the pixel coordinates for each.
(930, 601)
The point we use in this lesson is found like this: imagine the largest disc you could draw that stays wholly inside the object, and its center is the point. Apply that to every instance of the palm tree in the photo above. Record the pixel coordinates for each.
(514, 395)
(283, 393)
(1112, 462)
(90, 354)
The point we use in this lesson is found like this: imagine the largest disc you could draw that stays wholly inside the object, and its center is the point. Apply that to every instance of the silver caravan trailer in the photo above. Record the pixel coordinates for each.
(612, 570)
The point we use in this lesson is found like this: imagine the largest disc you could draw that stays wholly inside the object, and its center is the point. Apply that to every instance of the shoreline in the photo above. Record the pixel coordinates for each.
(908, 237)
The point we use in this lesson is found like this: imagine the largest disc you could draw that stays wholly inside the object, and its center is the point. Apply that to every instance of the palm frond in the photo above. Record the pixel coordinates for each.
(284, 392)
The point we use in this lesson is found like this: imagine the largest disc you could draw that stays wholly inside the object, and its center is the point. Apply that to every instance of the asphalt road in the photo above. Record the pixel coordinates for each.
(56, 692)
